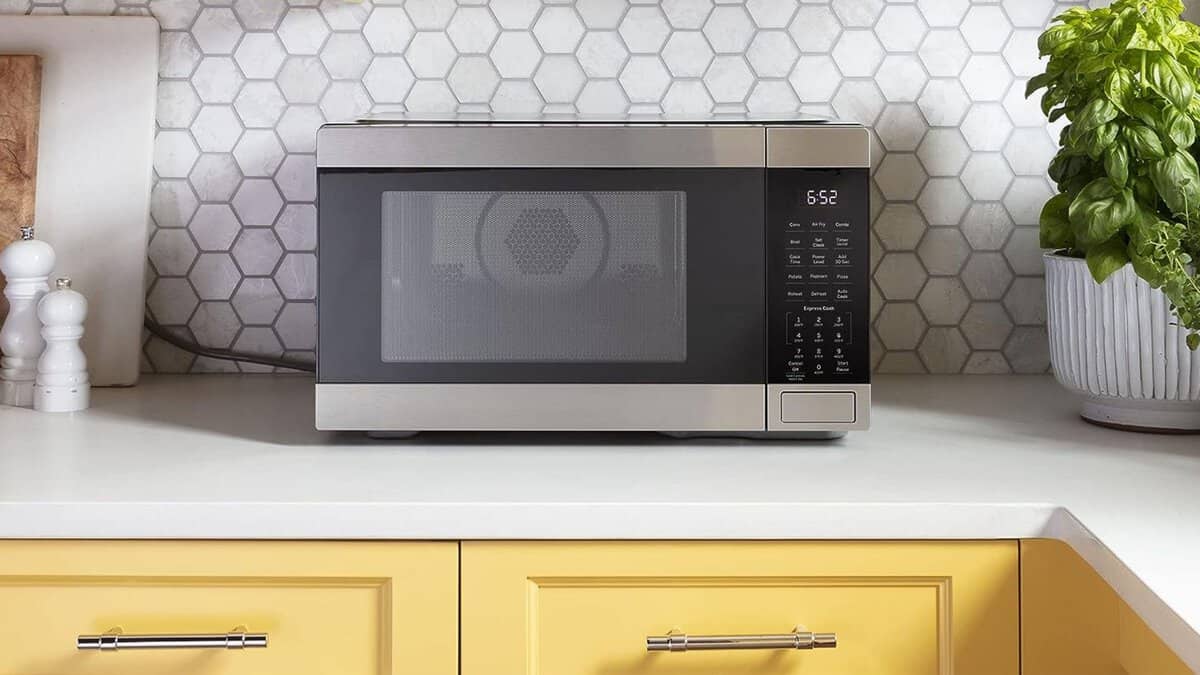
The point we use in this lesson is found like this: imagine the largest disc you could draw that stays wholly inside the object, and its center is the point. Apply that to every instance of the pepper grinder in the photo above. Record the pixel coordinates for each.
(62, 377)
(26, 264)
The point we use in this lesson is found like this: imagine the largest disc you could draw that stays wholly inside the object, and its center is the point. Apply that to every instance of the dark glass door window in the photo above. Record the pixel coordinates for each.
(531, 275)
(544, 276)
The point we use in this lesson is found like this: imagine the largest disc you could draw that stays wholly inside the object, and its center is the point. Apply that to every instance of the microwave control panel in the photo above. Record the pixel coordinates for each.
(818, 276)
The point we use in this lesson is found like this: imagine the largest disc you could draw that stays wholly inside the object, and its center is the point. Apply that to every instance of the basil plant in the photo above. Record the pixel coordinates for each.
(1125, 77)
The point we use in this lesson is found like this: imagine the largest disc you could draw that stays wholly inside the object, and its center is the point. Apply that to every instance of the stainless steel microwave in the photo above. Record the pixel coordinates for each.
(704, 276)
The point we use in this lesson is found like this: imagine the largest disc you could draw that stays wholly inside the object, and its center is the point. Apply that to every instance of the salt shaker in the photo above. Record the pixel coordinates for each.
(26, 264)
(62, 378)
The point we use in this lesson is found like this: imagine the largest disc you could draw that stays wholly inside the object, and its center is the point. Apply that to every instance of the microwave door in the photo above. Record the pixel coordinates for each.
(542, 276)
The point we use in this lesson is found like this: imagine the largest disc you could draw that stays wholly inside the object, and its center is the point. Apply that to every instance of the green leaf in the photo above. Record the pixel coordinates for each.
(1072, 14)
(1097, 112)
(1144, 111)
(1179, 127)
(1094, 64)
(1170, 80)
(1146, 268)
(1099, 211)
(1055, 38)
(1076, 184)
(1102, 139)
(1144, 141)
(1066, 165)
(1055, 226)
(1106, 258)
(1144, 192)
(1121, 29)
(1053, 97)
(1118, 87)
(1178, 182)
(1142, 40)
(1190, 57)
(1037, 82)
(1193, 341)
(1116, 163)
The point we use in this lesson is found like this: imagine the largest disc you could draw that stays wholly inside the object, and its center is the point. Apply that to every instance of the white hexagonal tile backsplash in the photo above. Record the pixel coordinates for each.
(959, 168)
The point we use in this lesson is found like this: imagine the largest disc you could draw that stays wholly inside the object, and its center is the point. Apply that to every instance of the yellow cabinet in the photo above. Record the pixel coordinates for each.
(902, 608)
(327, 608)
(1073, 623)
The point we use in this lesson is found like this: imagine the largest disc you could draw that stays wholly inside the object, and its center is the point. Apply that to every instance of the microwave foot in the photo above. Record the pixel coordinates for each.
(760, 435)
(391, 435)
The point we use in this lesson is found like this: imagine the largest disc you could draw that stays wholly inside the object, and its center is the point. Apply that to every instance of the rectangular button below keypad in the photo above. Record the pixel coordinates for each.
(815, 407)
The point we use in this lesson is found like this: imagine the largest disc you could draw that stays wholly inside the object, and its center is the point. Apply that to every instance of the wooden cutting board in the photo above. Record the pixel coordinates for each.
(94, 169)
(20, 98)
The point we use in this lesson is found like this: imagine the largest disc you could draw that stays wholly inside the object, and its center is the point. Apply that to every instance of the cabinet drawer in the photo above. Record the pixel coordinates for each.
(555, 608)
(328, 608)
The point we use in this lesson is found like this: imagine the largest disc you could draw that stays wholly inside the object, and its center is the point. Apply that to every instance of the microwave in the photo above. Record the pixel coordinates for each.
(702, 276)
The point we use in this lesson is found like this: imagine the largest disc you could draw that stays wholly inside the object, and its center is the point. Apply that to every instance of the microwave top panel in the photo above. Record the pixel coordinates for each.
(472, 140)
(585, 119)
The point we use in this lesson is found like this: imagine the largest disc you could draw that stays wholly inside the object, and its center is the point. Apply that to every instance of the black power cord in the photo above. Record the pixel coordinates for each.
(224, 354)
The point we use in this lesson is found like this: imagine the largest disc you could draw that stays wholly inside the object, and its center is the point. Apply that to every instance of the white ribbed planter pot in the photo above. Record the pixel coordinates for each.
(1117, 343)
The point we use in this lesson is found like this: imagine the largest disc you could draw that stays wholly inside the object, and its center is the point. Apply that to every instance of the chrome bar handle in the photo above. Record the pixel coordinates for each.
(682, 642)
(114, 640)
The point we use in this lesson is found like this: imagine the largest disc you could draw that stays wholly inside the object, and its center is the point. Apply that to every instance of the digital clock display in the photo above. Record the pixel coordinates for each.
(821, 197)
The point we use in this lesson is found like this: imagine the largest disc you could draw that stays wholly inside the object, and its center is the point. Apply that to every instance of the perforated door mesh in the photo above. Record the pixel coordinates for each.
(534, 276)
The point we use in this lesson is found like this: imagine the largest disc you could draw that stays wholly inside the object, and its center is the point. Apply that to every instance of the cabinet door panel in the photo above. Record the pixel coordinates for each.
(1074, 623)
(338, 608)
(587, 608)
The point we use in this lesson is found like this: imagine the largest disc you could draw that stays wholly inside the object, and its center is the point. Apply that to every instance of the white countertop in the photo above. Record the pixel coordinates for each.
(948, 457)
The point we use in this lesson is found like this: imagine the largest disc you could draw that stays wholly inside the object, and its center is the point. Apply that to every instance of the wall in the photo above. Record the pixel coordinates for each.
(959, 154)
